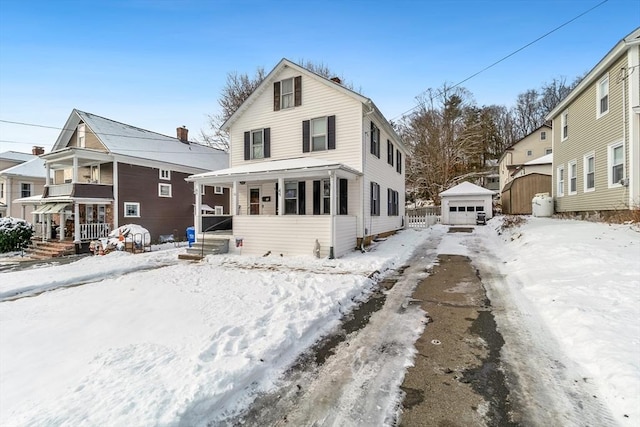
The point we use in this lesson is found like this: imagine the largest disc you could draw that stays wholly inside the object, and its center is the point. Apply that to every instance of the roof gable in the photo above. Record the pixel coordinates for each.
(467, 189)
(126, 140)
(33, 168)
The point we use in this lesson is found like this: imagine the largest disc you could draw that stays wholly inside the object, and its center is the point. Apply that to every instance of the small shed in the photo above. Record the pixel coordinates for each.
(460, 204)
(517, 194)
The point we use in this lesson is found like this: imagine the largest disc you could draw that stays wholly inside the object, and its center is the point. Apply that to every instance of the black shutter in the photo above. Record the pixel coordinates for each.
(342, 209)
(371, 137)
(247, 146)
(389, 202)
(371, 200)
(306, 130)
(389, 152)
(276, 96)
(331, 132)
(302, 185)
(297, 91)
(276, 197)
(316, 197)
(267, 142)
(398, 161)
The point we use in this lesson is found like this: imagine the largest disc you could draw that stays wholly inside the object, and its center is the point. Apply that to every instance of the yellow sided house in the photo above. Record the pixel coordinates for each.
(596, 136)
(315, 168)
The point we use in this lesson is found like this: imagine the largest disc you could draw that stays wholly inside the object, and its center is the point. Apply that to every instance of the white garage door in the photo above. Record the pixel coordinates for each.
(463, 212)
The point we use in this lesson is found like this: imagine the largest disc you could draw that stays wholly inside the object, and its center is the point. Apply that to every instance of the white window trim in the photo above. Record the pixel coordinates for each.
(573, 163)
(610, 149)
(325, 134)
(600, 95)
(218, 189)
(585, 172)
(168, 174)
(543, 135)
(560, 184)
(30, 188)
(564, 119)
(124, 211)
(529, 153)
(548, 151)
(218, 210)
(82, 136)
(160, 186)
(261, 130)
(283, 94)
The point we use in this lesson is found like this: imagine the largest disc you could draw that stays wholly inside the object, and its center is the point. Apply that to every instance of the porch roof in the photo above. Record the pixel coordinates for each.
(38, 200)
(302, 167)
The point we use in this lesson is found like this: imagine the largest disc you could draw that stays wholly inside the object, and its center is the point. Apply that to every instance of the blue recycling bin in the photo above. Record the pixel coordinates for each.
(191, 235)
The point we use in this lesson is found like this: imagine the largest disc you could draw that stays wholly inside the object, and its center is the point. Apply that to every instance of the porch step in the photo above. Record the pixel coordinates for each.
(45, 250)
(212, 245)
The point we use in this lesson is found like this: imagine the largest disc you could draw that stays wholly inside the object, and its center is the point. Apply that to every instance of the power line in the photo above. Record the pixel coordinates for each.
(160, 137)
(511, 54)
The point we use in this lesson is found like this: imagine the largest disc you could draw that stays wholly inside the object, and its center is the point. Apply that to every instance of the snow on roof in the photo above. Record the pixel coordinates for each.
(544, 160)
(15, 155)
(127, 140)
(275, 165)
(33, 168)
(466, 189)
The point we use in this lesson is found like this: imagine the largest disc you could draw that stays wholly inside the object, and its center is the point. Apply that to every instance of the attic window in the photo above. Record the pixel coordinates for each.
(287, 93)
(81, 135)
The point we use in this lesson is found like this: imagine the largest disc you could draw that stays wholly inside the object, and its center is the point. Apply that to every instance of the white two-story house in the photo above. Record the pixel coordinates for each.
(314, 168)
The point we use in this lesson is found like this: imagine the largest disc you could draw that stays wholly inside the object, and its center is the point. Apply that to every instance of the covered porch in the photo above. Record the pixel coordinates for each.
(300, 206)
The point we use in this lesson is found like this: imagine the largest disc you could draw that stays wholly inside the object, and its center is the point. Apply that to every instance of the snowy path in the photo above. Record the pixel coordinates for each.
(360, 384)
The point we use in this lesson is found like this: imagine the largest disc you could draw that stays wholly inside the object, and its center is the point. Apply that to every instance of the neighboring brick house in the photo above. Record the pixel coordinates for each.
(596, 136)
(311, 161)
(106, 174)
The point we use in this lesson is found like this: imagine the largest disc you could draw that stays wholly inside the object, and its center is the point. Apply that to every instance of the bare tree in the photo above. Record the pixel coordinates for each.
(237, 89)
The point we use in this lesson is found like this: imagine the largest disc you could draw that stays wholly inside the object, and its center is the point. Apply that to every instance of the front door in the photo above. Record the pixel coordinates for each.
(254, 201)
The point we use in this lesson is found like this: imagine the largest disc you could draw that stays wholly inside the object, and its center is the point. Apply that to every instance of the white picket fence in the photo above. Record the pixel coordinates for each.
(422, 221)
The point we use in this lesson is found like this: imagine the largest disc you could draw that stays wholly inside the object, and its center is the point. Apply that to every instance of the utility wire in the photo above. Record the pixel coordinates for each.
(510, 55)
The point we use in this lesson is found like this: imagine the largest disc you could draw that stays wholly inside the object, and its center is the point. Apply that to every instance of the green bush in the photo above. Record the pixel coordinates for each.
(15, 234)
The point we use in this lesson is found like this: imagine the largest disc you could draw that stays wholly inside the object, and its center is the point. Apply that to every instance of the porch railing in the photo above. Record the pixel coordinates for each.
(94, 231)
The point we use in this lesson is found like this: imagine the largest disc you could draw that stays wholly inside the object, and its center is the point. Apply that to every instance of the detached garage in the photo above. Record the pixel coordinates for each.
(461, 203)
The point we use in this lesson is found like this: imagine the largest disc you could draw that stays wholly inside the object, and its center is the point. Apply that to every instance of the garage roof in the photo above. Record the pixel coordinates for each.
(467, 189)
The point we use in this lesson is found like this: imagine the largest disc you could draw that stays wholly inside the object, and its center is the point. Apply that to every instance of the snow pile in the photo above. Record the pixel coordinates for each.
(582, 280)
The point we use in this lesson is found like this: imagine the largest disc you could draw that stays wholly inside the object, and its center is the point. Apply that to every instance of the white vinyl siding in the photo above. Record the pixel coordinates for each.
(286, 125)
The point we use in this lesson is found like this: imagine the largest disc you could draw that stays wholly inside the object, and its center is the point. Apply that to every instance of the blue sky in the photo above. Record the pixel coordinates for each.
(162, 64)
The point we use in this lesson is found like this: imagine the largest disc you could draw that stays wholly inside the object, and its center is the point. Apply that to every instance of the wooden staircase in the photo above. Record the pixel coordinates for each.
(46, 250)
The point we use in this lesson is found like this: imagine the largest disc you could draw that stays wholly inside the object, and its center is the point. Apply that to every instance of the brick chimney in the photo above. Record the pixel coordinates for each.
(183, 134)
(336, 80)
(36, 151)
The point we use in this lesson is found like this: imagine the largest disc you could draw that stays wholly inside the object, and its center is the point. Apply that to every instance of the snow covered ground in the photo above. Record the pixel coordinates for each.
(150, 340)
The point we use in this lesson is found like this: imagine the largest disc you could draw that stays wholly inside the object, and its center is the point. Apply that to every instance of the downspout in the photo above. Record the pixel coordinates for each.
(116, 199)
(197, 215)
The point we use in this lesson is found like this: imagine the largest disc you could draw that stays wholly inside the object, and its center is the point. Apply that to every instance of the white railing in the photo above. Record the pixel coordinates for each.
(94, 231)
(422, 221)
(60, 189)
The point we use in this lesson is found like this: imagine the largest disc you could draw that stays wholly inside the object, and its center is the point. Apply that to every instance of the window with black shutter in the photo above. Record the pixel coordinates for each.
(389, 152)
(398, 161)
(375, 140)
(375, 199)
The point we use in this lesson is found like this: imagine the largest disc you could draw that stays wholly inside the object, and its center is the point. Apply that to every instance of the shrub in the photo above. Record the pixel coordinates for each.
(15, 234)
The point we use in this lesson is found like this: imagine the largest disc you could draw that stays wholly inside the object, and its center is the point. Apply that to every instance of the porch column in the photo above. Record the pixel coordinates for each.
(47, 178)
(75, 169)
(197, 216)
(333, 204)
(62, 224)
(279, 196)
(46, 227)
(116, 200)
(8, 195)
(235, 210)
(76, 222)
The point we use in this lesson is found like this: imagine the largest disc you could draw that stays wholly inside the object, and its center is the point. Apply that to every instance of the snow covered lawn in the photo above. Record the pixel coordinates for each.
(150, 340)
